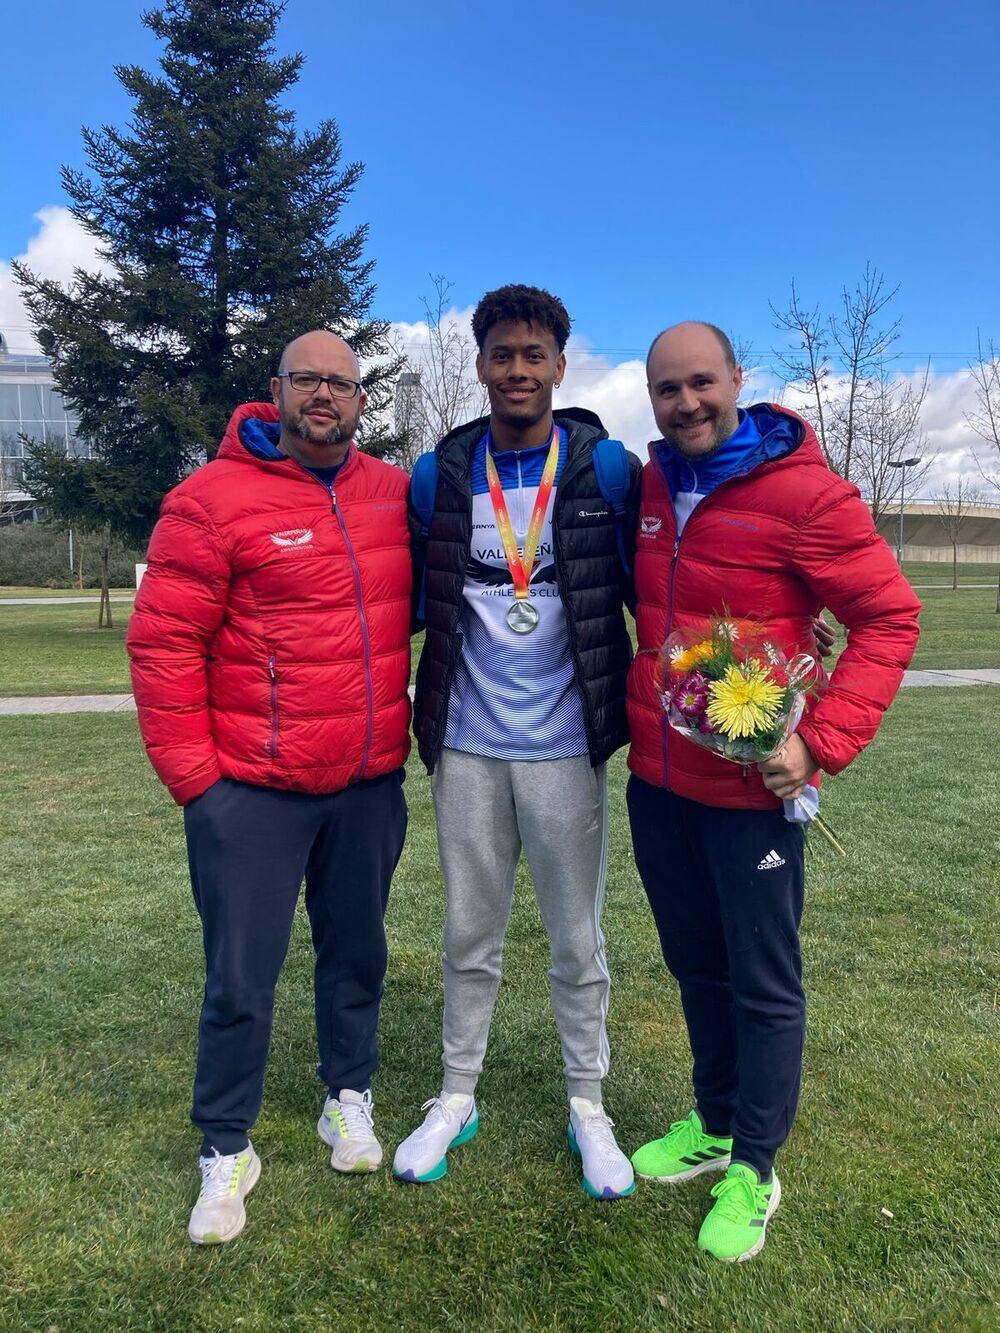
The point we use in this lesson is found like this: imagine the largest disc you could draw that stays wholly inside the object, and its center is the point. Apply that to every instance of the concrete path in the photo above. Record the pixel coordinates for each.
(65, 601)
(124, 703)
(985, 676)
(68, 703)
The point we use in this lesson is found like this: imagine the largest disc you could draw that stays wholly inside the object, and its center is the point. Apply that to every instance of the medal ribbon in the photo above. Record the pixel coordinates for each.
(521, 565)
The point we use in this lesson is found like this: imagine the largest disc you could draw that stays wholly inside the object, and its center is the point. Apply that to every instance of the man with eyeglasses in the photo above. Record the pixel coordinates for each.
(270, 658)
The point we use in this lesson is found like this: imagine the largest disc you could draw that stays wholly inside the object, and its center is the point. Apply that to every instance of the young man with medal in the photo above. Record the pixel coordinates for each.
(522, 559)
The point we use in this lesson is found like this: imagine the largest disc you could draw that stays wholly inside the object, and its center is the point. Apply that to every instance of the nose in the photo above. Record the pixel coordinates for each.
(687, 399)
(323, 390)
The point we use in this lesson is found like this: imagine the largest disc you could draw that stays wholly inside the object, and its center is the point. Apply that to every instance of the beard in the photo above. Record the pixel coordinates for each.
(723, 425)
(334, 433)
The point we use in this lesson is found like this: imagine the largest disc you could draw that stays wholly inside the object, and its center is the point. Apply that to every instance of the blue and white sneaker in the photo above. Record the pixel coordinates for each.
(607, 1172)
(450, 1121)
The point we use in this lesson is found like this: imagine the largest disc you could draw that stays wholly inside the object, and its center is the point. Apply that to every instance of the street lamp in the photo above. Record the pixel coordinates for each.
(903, 463)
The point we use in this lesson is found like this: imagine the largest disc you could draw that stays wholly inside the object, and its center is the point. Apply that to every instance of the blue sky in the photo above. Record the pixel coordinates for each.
(647, 162)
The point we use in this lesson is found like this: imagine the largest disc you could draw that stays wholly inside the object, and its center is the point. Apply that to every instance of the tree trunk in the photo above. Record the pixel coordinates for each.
(954, 567)
(998, 595)
(104, 614)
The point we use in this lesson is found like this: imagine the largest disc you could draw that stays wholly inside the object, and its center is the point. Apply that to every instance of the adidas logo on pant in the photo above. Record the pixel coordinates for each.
(771, 861)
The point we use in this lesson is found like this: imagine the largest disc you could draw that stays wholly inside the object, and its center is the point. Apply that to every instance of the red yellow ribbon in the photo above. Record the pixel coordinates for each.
(521, 565)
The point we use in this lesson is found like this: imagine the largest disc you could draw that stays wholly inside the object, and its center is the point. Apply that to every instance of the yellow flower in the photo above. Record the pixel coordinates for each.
(686, 659)
(744, 702)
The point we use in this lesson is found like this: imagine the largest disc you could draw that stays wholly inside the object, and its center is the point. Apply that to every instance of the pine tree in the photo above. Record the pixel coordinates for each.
(218, 221)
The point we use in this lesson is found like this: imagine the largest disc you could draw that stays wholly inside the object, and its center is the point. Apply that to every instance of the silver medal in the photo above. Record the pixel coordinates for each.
(522, 616)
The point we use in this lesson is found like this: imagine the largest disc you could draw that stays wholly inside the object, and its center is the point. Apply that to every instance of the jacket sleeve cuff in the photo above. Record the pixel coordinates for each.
(185, 791)
(828, 762)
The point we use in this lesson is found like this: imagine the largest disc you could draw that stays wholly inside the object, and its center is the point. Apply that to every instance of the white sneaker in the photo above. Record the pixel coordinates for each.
(607, 1172)
(346, 1125)
(450, 1121)
(226, 1181)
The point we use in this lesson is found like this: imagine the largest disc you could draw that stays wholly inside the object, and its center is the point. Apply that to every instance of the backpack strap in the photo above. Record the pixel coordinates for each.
(423, 491)
(614, 480)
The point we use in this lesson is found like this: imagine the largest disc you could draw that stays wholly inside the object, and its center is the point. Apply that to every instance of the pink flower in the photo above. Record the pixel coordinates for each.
(690, 696)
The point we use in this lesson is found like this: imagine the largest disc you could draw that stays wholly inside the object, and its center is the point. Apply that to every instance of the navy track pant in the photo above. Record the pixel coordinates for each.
(249, 849)
(726, 889)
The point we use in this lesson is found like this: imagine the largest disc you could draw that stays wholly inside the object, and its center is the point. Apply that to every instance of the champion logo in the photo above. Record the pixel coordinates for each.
(293, 537)
(649, 526)
(771, 861)
(592, 513)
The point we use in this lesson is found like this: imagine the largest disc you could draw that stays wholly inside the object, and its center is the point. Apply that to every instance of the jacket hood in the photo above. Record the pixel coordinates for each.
(254, 428)
(782, 432)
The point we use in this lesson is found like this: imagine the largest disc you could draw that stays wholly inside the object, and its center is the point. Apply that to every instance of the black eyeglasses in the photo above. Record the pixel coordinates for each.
(306, 381)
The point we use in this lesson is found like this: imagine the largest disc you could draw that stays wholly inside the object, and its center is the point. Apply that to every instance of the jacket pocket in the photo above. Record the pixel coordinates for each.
(272, 742)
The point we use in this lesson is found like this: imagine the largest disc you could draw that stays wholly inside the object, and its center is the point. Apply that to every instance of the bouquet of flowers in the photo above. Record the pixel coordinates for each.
(726, 686)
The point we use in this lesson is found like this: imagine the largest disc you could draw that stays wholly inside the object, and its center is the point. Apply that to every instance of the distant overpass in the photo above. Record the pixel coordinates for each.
(925, 536)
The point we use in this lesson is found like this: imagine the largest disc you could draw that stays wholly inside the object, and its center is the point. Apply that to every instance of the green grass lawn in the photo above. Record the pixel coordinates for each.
(9, 591)
(927, 571)
(958, 629)
(60, 650)
(102, 972)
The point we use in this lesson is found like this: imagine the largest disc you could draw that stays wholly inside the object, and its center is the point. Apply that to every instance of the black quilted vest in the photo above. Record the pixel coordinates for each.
(592, 581)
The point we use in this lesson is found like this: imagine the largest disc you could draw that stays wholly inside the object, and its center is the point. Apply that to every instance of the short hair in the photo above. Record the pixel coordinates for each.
(516, 304)
(721, 338)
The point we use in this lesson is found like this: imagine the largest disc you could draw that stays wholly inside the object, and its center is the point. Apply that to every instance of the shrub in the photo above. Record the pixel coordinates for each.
(36, 555)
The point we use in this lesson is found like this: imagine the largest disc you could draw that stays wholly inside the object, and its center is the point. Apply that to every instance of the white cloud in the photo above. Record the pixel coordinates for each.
(617, 393)
(61, 245)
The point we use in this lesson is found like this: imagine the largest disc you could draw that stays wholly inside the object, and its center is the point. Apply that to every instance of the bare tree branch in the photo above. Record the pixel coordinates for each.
(985, 419)
(807, 364)
(955, 500)
(886, 429)
(440, 389)
(862, 346)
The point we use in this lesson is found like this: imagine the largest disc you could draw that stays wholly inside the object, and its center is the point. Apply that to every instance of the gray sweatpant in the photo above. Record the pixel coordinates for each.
(557, 811)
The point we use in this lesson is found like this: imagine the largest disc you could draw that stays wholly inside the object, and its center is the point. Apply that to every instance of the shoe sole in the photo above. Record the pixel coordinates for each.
(440, 1168)
(218, 1237)
(362, 1166)
(717, 1164)
(591, 1190)
(772, 1208)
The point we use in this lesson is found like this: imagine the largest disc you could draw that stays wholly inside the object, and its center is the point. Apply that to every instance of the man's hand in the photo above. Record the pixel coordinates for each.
(825, 636)
(787, 772)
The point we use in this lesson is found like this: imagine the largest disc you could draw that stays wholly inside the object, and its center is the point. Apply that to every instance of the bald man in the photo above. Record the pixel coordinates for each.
(741, 516)
(270, 658)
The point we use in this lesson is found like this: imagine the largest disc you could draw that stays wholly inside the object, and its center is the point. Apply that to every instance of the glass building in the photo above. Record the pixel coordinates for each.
(30, 405)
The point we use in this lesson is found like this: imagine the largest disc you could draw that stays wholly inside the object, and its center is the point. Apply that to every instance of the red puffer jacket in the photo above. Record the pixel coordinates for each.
(270, 641)
(774, 544)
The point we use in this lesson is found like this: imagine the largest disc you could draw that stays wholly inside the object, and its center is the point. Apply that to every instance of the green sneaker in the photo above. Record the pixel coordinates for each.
(736, 1226)
(684, 1152)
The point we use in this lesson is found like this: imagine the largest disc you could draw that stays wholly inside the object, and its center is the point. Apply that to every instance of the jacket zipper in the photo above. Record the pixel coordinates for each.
(272, 671)
(364, 631)
(334, 509)
(673, 567)
(588, 720)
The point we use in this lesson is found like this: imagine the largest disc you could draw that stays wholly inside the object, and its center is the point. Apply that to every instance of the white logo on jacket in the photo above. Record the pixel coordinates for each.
(649, 526)
(293, 537)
